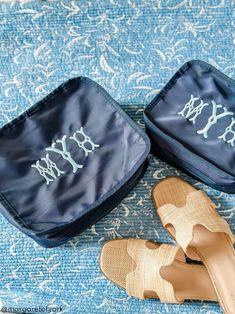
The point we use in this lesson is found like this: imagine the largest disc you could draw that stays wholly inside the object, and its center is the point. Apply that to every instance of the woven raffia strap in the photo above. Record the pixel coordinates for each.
(199, 210)
(146, 276)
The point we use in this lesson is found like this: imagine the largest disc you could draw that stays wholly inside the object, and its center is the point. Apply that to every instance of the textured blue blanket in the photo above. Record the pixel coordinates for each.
(131, 48)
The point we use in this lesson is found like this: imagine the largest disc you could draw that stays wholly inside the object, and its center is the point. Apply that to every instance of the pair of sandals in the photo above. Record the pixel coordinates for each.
(150, 270)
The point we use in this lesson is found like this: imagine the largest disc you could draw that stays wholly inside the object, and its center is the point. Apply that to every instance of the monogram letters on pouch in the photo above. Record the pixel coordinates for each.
(193, 109)
(48, 168)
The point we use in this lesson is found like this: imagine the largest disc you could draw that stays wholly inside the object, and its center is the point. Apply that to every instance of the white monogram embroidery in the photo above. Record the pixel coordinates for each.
(214, 118)
(229, 132)
(48, 168)
(86, 140)
(64, 153)
(48, 172)
(193, 109)
(190, 112)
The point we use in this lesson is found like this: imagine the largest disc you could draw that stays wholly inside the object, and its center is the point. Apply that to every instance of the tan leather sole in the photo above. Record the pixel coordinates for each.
(214, 249)
(190, 281)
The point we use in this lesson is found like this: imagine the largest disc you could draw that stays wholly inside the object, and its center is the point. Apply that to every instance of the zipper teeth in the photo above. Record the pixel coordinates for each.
(192, 155)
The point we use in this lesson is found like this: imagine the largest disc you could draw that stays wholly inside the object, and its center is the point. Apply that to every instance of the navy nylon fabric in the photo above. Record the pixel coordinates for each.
(105, 150)
(173, 114)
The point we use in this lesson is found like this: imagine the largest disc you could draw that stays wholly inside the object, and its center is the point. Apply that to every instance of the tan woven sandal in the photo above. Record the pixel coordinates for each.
(190, 217)
(148, 270)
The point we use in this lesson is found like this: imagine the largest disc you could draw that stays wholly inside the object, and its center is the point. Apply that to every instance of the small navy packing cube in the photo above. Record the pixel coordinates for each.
(191, 124)
(67, 161)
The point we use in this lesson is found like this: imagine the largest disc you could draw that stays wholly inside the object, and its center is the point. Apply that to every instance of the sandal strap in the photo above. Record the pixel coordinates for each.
(199, 210)
(146, 276)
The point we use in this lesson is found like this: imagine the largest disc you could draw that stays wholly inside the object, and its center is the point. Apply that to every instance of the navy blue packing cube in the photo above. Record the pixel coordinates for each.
(67, 161)
(191, 124)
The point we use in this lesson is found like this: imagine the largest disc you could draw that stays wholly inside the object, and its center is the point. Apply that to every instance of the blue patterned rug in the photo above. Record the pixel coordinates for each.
(131, 48)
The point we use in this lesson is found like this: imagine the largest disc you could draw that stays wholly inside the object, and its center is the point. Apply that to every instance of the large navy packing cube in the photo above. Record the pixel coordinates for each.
(191, 124)
(67, 161)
